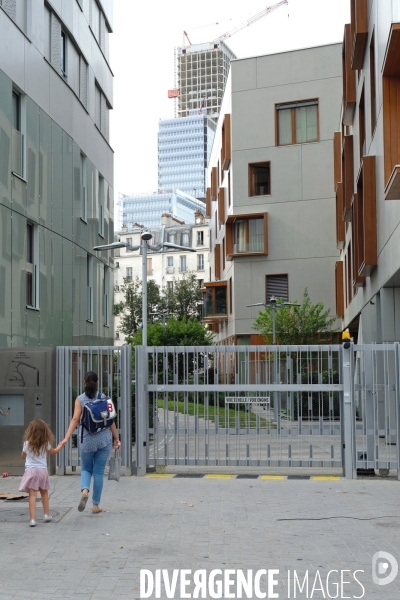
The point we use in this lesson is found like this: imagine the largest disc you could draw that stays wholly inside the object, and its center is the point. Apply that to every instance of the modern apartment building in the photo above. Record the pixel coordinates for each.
(56, 173)
(202, 72)
(147, 209)
(367, 174)
(169, 265)
(184, 148)
(270, 198)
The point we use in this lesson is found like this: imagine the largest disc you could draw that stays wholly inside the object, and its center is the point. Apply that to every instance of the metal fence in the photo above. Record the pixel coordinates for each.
(113, 365)
(267, 406)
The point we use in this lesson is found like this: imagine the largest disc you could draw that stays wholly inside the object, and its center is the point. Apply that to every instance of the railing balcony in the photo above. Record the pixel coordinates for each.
(170, 270)
(242, 248)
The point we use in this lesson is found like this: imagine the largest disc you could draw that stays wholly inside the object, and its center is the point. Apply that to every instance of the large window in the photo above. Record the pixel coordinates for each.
(32, 266)
(200, 238)
(200, 262)
(248, 236)
(259, 179)
(182, 264)
(170, 261)
(128, 274)
(297, 122)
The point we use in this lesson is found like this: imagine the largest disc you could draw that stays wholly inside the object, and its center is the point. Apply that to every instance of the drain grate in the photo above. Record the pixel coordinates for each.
(19, 514)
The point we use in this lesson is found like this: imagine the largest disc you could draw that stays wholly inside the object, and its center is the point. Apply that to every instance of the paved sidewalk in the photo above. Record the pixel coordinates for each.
(198, 523)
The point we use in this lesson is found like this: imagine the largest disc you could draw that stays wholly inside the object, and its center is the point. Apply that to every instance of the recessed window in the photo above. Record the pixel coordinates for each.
(277, 286)
(18, 147)
(215, 300)
(185, 239)
(128, 274)
(248, 236)
(63, 57)
(170, 261)
(200, 262)
(32, 266)
(297, 122)
(372, 82)
(182, 264)
(89, 282)
(259, 179)
(170, 286)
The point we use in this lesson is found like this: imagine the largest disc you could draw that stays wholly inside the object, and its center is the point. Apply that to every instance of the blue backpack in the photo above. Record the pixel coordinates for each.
(97, 414)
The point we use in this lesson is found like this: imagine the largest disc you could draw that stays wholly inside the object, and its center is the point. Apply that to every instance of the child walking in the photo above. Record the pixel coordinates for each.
(37, 443)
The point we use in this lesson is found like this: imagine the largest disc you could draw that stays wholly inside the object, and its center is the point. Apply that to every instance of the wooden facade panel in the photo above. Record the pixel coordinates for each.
(340, 228)
(221, 205)
(226, 143)
(217, 261)
(391, 125)
(391, 62)
(349, 78)
(214, 183)
(358, 237)
(359, 30)
(337, 158)
(348, 176)
(208, 202)
(339, 289)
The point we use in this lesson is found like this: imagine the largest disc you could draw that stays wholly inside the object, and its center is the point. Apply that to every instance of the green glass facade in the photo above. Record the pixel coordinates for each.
(65, 209)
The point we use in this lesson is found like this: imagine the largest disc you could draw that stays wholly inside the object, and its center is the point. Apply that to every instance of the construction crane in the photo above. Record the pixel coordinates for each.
(260, 15)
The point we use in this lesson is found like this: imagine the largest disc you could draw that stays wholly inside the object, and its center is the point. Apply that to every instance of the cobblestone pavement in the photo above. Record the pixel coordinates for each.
(200, 523)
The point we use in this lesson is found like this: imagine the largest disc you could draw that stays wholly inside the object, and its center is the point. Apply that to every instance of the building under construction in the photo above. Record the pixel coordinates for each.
(200, 77)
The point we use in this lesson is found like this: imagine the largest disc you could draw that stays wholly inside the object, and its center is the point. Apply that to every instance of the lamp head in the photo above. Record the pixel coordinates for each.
(146, 236)
(272, 301)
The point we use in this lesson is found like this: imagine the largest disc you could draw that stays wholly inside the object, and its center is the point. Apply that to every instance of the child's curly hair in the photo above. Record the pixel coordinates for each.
(38, 435)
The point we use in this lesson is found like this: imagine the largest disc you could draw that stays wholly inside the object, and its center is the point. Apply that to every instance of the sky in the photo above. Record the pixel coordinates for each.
(142, 60)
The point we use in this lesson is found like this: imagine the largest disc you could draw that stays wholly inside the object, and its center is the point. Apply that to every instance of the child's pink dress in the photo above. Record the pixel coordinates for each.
(36, 476)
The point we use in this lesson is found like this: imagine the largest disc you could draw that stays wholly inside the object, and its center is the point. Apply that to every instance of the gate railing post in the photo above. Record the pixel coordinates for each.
(126, 408)
(348, 416)
(397, 397)
(141, 369)
(61, 399)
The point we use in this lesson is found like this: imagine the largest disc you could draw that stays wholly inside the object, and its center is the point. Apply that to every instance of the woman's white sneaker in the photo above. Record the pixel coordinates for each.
(32, 523)
(47, 518)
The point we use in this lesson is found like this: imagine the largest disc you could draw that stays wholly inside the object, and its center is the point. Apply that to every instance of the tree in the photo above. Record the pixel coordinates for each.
(296, 325)
(186, 298)
(176, 332)
(131, 309)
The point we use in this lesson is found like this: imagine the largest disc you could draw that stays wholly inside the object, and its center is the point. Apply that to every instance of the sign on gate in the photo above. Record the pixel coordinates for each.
(246, 400)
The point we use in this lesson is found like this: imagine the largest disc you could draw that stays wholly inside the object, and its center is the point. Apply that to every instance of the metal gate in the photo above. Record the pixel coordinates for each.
(268, 406)
(113, 365)
(271, 406)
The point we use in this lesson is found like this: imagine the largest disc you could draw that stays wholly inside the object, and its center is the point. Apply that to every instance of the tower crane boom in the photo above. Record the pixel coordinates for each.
(260, 15)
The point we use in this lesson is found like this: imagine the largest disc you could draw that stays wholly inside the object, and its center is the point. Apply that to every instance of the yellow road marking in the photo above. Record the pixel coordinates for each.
(325, 478)
(278, 477)
(160, 475)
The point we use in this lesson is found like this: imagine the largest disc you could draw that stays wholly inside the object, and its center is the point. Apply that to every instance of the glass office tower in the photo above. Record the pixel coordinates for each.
(184, 147)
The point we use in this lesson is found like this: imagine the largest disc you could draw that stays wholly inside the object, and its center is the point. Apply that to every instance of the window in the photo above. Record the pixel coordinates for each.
(182, 264)
(259, 179)
(101, 112)
(32, 266)
(17, 11)
(129, 273)
(171, 238)
(83, 80)
(170, 286)
(18, 139)
(149, 266)
(101, 205)
(200, 262)
(185, 239)
(372, 82)
(277, 286)
(63, 59)
(200, 283)
(170, 261)
(200, 238)
(230, 295)
(99, 26)
(106, 288)
(89, 282)
(248, 236)
(215, 300)
(223, 254)
(84, 186)
(297, 122)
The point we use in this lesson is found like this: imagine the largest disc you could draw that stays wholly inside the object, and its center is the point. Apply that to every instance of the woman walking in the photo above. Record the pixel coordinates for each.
(94, 448)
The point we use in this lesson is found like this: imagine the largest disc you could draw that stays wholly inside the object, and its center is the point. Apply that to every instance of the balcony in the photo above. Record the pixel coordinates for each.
(170, 270)
(246, 235)
(349, 78)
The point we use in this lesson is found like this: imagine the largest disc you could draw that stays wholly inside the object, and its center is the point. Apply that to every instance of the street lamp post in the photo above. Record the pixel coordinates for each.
(141, 397)
(272, 304)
